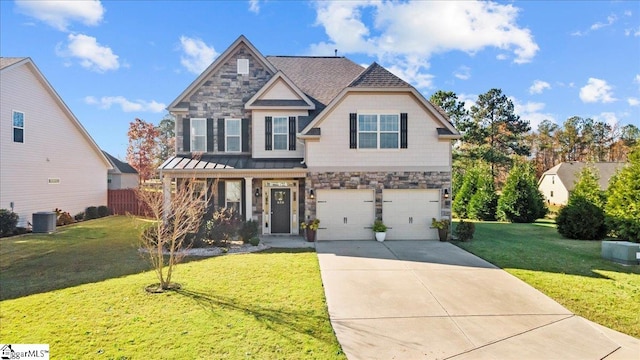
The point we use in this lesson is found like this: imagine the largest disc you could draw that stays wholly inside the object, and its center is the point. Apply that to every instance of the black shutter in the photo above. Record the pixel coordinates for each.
(221, 135)
(268, 133)
(243, 203)
(222, 197)
(186, 138)
(403, 131)
(353, 131)
(292, 132)
(245, 135)
(209, 134)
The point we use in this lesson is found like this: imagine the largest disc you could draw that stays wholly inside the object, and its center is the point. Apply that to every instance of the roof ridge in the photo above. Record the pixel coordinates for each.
(377, 75)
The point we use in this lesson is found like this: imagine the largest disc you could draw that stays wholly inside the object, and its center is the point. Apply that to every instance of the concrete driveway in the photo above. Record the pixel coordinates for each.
(432, 300)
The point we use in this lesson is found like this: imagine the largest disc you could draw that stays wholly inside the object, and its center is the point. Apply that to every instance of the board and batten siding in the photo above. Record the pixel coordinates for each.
(424, 150)
(53, 148)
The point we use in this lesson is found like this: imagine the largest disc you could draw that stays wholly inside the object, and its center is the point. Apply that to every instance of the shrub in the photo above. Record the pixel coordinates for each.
(521, 201)
(623, 199)
(255, 241)
(91, 213)
(467, 189)
(64, 218)
(79, 216)
(20, 230)
(8, 222)
(223, 226)
(464, 231)
(248, 231)
(581, 219)
(103, 211)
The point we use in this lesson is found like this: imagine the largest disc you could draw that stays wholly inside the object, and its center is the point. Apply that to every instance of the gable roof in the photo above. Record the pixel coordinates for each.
(120, 166)
(241, 40)
(378, 79)
(9, 63)
(303, 103)
(568, 172)
(320, 77)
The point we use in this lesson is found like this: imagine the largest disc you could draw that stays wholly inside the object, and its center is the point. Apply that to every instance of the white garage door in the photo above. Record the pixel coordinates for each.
(345, 214)
(408, 213)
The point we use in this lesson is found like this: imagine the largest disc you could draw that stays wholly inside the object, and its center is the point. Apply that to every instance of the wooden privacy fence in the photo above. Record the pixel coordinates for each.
(125, 201)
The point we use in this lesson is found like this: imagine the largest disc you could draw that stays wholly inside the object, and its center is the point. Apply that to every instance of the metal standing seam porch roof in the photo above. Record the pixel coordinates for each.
(229, 163)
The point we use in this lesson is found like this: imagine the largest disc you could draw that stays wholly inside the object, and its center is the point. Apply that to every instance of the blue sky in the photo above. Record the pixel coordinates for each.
(113, 61)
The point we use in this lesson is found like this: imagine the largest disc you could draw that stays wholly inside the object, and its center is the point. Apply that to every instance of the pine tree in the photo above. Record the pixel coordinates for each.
(623, 200)
(483, 204)
(463, 196)
(521, 201)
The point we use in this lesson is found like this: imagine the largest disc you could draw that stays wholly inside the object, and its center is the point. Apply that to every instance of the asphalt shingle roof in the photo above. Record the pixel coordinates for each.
(321, 78)
(375, 76)
(124, 167)
(568, 172)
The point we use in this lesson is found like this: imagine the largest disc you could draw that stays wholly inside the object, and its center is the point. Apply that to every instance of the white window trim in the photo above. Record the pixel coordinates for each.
(378, 131)
(226, 135)
(13, 127)
(286, 133)
(193, 136)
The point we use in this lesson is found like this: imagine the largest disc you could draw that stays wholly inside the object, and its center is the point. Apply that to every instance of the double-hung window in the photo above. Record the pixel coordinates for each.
(378, 131)
(18, 127)
(198, 134)
(280, 133)
(233, 194)
(233, 135)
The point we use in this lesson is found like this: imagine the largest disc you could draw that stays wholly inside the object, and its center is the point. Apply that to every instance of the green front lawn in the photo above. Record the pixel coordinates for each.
(266, 305)
(571, 272)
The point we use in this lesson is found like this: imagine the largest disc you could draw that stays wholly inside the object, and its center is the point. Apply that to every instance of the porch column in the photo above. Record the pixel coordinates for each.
(248, 198)
(166, 192)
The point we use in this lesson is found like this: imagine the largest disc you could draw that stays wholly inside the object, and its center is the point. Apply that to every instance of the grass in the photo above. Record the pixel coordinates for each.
(267, 305)
(571, 272)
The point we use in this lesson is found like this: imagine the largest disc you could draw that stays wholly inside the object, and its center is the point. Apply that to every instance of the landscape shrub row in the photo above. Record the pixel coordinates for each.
(9, 219)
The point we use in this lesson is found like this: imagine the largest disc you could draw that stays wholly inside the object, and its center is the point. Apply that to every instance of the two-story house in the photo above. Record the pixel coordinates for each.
(293, 138)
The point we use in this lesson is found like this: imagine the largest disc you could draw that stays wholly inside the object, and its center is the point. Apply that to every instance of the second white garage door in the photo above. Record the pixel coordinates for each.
(408, 213)
(345, 214)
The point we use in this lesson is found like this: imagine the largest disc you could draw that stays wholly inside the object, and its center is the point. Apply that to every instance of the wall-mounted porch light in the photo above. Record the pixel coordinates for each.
(312, 195)
(257, 193)
(446, 193)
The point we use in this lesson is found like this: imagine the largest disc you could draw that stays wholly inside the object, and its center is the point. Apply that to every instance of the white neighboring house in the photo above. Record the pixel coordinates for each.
(47, 158)
(557, 183)
(122, 176)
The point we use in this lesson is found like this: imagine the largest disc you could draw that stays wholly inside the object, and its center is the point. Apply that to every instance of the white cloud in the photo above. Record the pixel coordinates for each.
(532, 111)
(633, 101)
(91, 54)
(632, 32)
(197, 55)
(463, 73)
(596, 90)
(637, 79)
(469, 100)
(607, 117)
(59, 14)
(106, 102)
(409, 33)
(254, 6)
(538, 87)
(611, 19)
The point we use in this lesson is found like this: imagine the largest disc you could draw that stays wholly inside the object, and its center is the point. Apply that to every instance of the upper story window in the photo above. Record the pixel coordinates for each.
(233, 135)
(280, 133)
(378, 131)
(18, 127)
(243, 66)
(199, 134)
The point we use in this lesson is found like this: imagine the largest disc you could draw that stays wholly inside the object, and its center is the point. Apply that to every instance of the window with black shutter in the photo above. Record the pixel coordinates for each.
(353, 131)
(268, 133)
(404, 138)
(292, 132)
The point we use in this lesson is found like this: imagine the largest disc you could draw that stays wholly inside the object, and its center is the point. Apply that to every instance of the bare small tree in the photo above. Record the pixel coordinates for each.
(172, 220)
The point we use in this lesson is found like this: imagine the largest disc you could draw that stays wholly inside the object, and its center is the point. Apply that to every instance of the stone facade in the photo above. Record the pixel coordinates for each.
(377, 181)
(225, 93)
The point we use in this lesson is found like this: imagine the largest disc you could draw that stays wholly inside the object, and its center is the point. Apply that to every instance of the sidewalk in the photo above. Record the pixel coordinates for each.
(432, 300)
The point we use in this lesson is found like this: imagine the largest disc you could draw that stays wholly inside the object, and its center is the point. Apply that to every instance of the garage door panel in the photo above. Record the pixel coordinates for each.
(408, 213)
(345, 214)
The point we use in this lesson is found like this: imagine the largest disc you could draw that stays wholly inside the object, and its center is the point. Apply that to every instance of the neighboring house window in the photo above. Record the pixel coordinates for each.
(233, 193)
(233, 135)
(18, 126)
(199, 134)
(280, 133)
(551, 193)
(553, 179)
(243, 66)
(378, 131)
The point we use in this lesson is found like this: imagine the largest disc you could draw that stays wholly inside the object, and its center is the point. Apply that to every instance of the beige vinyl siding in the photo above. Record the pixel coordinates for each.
(280, 91)
(552, 183)
(53, 148)
(425, 149)
(258, 135)
(123, 181)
